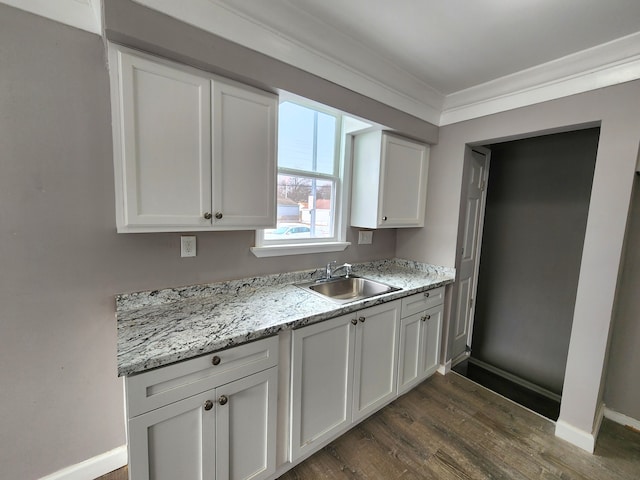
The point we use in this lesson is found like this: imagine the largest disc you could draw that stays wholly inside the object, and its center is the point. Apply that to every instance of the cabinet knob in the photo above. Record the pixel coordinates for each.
(426, 294)
(215, 360)
(428, 317)
(384, 219)
(223, 400)
(423, 318)
(207, 215)
(354, 321)
(208, 405)
(218, 215)
(362, 319)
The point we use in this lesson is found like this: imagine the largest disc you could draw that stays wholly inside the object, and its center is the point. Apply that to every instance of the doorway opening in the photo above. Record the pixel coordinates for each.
(529, 253)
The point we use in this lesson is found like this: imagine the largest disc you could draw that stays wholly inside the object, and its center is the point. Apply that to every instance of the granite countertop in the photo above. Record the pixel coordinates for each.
(160, 327)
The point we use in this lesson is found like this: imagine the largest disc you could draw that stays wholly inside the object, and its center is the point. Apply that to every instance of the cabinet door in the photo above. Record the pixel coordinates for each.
(175, 441)
(411, 361)
(376, 358)
(432, 326)
(403, 183)
(244, 157)
(419, 347)
(322, 380)
(246, 414)
(163, 163)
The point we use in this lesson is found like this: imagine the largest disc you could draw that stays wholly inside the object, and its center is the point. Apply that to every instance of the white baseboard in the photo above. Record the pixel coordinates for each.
(444, 369)
(93, 467)
(575, 436)
(580, 438)
(621, 419)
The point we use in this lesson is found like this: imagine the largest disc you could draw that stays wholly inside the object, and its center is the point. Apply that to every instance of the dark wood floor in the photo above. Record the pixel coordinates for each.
(451, 428)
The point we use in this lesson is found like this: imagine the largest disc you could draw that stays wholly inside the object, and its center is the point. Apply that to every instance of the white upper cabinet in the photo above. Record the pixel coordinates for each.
(389, 181)
(192, 151)
(244, 152)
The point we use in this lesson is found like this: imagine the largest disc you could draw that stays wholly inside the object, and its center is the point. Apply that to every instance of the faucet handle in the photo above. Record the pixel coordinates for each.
(329, 269)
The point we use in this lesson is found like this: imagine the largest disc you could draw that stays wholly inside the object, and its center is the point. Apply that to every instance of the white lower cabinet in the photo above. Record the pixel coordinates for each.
(216, 417)
(322, 382)
(246, 427)
(175, 441)
(342, 370)
(223, 433)
(376, 358)
(419, 344)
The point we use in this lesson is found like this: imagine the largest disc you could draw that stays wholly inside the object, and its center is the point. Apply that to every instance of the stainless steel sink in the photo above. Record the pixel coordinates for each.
(347, 289)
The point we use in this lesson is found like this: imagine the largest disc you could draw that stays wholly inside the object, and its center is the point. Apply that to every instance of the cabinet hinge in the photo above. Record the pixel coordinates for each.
(471, 303)
(467, 348)
(483, 185)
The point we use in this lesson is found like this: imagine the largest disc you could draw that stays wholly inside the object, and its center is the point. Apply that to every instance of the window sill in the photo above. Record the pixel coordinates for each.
(299, 249)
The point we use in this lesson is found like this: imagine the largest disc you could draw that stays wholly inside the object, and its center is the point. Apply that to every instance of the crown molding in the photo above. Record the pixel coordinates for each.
(390, 85)
(338, 58)
(605, 65)
(82, 14)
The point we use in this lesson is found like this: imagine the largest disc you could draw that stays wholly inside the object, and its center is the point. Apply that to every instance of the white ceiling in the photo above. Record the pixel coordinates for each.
(451, 45)
(441, 60)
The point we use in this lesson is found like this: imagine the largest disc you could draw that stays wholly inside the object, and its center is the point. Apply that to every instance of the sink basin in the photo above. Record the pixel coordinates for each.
(348, 289)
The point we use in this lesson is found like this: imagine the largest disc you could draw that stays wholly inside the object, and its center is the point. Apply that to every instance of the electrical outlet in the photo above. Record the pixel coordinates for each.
(188, 246)
(365, 237)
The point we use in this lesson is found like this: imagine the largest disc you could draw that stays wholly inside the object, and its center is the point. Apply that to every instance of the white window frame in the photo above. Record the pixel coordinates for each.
(336, 243)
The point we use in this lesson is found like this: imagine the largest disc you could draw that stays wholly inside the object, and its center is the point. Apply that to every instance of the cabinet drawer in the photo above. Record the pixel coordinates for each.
(421, 301)
(150, 390)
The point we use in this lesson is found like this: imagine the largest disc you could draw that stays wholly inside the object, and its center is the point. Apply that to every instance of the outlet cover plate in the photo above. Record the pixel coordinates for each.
(365, 237)
(188, 246)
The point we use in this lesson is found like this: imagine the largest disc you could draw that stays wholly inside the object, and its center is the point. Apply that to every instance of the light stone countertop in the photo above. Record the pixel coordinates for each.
(160, 327)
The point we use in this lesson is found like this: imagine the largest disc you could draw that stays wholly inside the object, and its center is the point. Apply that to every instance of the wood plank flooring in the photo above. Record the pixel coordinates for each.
(451, 428)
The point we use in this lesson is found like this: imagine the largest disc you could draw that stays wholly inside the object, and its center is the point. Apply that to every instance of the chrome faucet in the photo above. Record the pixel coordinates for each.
(330, 270)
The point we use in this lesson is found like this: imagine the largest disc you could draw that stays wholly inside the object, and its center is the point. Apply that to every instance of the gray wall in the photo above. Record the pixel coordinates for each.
(536, 215)
(616, 110)
(622, 389)
(61, 261)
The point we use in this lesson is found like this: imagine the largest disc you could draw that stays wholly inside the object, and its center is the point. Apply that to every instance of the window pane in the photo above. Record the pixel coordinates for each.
(306, 139)
(305, 208)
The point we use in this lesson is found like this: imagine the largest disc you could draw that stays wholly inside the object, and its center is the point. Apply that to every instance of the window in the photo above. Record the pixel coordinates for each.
(311, 182)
